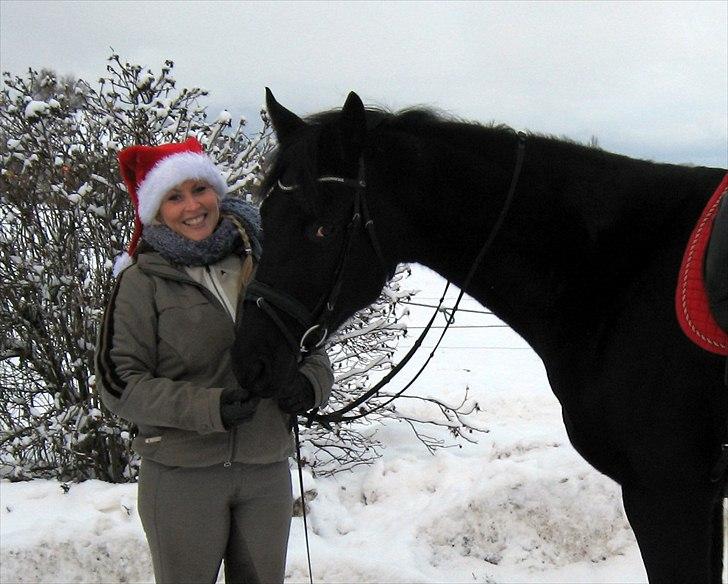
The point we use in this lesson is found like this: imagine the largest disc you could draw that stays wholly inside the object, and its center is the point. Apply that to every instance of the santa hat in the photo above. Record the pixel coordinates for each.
(691, 299)
(149, 173)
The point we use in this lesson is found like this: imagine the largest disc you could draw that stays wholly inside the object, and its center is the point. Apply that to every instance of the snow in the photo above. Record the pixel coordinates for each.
(145, 80)
(36, 108)
(518, 506)
(223, 117)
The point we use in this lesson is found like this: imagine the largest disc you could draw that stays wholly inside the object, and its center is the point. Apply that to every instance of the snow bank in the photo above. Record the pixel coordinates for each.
(91, 533)
(501, 511)
(518, 506)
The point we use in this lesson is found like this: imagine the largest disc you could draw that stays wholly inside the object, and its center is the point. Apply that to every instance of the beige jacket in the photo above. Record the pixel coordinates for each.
(162, 361)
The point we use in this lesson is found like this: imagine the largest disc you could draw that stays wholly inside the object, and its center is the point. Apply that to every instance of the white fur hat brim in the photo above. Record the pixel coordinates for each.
(170, 172)
(121, 263)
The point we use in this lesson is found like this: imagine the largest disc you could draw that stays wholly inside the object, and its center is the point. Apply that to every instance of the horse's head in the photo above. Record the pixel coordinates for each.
(319, 265)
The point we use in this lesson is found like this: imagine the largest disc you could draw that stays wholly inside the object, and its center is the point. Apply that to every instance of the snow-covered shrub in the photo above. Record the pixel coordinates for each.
(65, 216)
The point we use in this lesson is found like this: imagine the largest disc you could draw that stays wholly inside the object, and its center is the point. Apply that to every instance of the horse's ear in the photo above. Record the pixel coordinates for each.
(285, 123)
(353, 126)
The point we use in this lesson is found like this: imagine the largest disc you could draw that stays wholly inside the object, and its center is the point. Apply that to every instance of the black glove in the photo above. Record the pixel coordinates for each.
(298, 396)
(236, 406)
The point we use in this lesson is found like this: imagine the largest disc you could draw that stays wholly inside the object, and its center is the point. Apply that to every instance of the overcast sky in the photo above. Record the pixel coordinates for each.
(648, 79)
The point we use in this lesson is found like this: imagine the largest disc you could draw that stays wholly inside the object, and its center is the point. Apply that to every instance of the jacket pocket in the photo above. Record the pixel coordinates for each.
(147, 441)
(185, 448)
(196, 330)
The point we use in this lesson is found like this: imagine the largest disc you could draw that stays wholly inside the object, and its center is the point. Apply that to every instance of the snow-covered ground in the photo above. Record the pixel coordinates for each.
(518, 506)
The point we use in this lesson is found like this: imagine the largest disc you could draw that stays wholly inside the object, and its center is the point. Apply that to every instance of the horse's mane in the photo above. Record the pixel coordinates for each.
(302, 148)
(415, 120)
(411, 118)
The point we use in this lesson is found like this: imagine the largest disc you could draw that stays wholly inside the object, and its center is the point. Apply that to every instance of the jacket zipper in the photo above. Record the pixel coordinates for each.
(223, 299)
(218, 302)
(231, 449)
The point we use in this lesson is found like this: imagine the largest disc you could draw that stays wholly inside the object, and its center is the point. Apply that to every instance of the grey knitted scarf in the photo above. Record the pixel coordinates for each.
(226, 239)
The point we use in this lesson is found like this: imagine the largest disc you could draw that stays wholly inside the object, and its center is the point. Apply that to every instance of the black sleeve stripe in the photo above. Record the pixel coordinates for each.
(104, 365)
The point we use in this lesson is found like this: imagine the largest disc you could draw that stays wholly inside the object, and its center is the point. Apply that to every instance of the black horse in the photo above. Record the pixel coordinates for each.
(583, 266)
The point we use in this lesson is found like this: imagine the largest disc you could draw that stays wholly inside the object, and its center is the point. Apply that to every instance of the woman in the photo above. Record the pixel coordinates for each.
(214, 481)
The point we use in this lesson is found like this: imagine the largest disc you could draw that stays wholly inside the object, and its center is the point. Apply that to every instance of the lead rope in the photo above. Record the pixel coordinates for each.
(338, 416)
(303, 496)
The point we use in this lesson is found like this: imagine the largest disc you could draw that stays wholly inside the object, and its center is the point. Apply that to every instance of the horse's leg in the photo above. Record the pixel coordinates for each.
(717, 550)
(675, 530)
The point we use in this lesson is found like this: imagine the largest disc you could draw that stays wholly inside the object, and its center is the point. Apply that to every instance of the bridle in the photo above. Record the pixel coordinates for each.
(316, 324)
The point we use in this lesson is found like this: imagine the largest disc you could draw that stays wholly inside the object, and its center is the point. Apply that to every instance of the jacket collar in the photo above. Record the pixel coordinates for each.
(151, 262)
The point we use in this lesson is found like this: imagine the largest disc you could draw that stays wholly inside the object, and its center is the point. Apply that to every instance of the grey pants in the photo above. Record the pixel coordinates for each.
(195, 517)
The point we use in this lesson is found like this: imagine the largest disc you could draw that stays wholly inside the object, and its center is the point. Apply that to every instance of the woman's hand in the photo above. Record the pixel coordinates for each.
(236, 406)
(298, 396)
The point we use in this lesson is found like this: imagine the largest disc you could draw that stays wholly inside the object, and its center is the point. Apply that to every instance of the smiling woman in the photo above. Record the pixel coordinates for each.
(209, 450)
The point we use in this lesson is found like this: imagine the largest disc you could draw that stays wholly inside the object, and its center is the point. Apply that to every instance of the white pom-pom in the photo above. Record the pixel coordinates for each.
(121, 263)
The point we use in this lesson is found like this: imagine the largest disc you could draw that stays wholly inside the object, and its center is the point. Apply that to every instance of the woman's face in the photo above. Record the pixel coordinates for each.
(191, 209)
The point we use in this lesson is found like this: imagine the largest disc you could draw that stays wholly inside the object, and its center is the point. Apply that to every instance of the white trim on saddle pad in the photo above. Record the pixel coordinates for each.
(691, 300)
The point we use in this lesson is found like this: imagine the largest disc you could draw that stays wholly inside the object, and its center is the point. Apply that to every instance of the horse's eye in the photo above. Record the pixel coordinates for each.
(321, 231)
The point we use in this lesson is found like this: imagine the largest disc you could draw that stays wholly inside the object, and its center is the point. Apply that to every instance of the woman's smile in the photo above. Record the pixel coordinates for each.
(196, 221)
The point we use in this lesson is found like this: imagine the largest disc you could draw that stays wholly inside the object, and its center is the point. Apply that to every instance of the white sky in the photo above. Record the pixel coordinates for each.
(648, 79)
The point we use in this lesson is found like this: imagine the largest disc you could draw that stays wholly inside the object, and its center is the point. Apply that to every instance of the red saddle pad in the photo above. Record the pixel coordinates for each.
(691, 299)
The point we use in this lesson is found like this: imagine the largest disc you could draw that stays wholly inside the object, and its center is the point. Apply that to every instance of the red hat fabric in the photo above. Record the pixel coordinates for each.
(691, 299)
(149, 172)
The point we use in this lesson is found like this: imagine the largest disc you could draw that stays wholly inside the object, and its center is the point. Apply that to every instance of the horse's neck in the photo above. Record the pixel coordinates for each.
(569, 243)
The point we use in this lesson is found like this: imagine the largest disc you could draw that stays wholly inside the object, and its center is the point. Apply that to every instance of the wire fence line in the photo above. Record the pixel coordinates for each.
(462, 326)
(447, 312)
(446, 308)
(478, 348)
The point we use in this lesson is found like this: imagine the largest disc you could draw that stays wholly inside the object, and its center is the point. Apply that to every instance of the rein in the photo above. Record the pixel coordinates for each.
(338, 415)
(294, 423)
